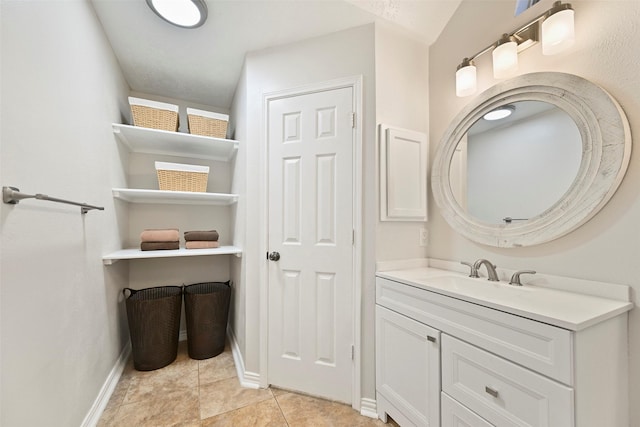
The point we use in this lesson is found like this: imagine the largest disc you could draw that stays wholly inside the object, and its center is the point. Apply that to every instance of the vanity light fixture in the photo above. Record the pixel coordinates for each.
(558, 31)
(500, 112)
(181, 13)
(466, 78)
(505, 57)
(555, 28)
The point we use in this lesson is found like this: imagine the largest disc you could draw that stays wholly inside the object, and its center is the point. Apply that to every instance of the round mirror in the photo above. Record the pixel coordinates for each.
(495, 173)
(531, 159)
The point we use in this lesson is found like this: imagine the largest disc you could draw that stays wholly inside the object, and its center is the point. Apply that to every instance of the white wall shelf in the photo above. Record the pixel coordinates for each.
(133, 195)
(173, 253)
(153, 141)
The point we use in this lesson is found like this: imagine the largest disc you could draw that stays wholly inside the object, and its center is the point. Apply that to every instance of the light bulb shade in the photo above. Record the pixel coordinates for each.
(182, 13)
(558, 32)
(466, 81)
(505, 60)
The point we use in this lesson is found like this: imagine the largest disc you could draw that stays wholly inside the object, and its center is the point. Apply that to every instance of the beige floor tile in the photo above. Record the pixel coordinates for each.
(227, 395)
(117, 397)
(302, 411)
(216, 368)
(277, 391)
(162, 383)
(180, 409)
(261, 414)
(107, 417)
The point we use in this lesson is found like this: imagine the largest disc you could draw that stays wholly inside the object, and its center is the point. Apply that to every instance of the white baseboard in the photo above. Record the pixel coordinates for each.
(247, 379)
(94, 414)
(368, 408)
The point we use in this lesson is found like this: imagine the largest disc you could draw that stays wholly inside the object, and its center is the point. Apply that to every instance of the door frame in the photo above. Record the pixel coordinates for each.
(354, 82)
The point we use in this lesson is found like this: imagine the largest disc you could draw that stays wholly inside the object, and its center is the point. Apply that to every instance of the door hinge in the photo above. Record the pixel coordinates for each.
(353, 352)
(353, 119)
(353, 237)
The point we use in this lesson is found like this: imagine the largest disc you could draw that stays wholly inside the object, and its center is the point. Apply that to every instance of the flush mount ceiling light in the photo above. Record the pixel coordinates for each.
(500, 112)
(556, 29)
(181, 13)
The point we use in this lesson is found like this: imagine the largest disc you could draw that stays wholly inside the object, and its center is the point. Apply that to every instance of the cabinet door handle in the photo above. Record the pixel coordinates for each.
(430, 338)
(491, 391)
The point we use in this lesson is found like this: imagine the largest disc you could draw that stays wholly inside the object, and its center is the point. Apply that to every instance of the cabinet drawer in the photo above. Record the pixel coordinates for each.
(544, 348)
(502, 392)
(455, 415)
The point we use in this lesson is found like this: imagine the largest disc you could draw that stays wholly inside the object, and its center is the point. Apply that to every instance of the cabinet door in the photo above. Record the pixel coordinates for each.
(408, 368)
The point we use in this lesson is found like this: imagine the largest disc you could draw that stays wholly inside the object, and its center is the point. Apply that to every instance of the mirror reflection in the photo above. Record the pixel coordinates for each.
(516, 165)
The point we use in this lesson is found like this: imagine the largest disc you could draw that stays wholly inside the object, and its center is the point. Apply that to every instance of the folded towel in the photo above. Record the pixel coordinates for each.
(211, 235)
(201, 244)
(160, 235)
(156, 246)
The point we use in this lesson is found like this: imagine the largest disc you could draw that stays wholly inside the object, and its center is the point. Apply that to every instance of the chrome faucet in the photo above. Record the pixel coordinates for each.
(491, 269)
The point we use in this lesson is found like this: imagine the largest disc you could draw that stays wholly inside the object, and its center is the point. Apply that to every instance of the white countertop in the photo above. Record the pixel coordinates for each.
(568, 310)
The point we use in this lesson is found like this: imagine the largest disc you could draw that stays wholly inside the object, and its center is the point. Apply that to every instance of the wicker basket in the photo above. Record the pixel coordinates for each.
(154, 325)
(206, 123)
(155, 115)
(206, 310)
(179, 177)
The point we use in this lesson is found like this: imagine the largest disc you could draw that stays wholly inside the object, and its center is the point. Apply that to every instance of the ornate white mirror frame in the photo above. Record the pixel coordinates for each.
(606, 149)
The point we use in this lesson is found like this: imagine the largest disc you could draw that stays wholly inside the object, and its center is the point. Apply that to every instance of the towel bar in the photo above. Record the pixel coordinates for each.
(12, 196)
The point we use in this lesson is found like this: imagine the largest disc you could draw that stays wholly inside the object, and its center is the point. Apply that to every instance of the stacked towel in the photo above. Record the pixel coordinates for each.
(198, 239)
(159, 239)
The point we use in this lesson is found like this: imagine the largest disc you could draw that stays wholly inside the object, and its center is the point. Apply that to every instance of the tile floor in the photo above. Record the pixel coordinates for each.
(204, 393)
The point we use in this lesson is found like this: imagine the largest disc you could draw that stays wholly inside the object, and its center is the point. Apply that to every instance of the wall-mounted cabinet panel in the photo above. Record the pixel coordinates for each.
(403, 174)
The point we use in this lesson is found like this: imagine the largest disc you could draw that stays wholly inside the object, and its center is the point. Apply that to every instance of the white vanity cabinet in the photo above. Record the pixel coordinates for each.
(445, 358)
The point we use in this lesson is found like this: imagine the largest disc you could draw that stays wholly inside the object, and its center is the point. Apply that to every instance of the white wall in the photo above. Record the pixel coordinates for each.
(343, 54)
(607, 247)
(402, 100)
(63, 324)
(238, 126)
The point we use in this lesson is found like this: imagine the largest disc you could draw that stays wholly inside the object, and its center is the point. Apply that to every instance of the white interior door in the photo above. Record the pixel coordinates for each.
(310, 143)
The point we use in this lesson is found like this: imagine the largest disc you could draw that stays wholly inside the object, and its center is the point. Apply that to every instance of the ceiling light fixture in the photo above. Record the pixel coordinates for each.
(181, 13)
(500, 112)
(556, 29)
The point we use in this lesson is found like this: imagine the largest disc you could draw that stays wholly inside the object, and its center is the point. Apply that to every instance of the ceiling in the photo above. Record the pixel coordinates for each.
(203, 65)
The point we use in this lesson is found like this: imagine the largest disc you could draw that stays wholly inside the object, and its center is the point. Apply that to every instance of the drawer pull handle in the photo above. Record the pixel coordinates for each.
(491, 391)
(430, 338)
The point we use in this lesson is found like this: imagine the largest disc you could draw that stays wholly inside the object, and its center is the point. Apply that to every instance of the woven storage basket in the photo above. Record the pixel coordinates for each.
(179, 177)
(155, 115)
(206, 308)
(206, 123)
(154, 325)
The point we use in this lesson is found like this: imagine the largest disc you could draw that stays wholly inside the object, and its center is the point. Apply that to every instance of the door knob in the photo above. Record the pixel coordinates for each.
(274, 256)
